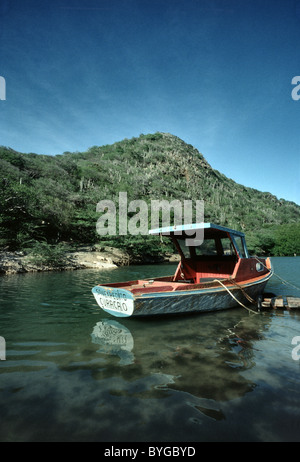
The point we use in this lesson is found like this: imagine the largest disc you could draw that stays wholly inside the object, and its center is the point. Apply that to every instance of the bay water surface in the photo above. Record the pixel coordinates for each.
(75, 373)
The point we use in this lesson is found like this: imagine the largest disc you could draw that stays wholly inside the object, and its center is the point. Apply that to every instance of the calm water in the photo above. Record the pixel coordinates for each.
(74, 373)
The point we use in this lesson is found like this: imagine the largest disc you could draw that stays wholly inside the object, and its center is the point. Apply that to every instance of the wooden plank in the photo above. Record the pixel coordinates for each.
(293, 302)
(277, 302)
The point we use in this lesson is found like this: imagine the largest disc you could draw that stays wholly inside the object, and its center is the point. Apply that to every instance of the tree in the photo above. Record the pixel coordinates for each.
(287, 240)
(17, 215)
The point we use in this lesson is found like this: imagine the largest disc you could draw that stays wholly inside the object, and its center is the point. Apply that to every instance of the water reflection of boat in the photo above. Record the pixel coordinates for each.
(214, 275)
(114, 339)
(205, 358)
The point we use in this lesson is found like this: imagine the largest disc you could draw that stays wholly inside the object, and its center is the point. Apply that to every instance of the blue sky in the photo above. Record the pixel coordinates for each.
(216, 73)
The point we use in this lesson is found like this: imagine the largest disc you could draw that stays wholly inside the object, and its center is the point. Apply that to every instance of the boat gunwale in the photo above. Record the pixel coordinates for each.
(189, 288)
(209, 287)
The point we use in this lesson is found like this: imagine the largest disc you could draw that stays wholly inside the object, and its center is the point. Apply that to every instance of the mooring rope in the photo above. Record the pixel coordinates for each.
(279, 277)
(246, 307)
(247, 296)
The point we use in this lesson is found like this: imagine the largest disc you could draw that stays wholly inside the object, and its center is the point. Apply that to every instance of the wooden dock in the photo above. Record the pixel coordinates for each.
(283, 302)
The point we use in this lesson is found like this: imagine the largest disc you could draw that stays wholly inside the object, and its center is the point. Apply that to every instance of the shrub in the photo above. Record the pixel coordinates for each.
(44, 254)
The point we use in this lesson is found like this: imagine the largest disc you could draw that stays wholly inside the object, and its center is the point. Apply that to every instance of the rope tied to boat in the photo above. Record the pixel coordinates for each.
(274, 274)
(244, 306)
(247, 296)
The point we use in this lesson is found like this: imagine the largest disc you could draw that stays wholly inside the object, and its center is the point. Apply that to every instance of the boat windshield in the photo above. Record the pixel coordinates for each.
(227, 246)
(184, 248)
(240, 245)
(210, 246)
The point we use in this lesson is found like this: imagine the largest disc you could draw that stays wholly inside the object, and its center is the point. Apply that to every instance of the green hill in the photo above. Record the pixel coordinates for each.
(53, 198)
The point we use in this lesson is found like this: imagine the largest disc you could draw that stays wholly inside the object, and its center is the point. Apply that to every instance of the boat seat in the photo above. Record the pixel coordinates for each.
(185, 281)
(209, 268)
(211, 279)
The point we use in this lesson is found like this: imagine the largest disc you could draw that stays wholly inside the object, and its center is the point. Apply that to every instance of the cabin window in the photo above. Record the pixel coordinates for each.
(208, 247)
(184, 249)
(211, 246)
(240, 246)
(227, 246)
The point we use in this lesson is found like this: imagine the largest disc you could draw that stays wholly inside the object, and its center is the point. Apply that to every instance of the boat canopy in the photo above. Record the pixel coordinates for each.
(205, 233)
(180, 229)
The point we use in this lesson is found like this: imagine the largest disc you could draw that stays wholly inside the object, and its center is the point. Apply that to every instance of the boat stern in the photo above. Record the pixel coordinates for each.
(114, 300)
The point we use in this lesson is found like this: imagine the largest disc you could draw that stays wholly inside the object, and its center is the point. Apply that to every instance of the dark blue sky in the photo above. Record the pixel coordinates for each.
(215, 73)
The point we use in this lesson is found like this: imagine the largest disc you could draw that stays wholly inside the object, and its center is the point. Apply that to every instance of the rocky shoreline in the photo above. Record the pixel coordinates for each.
(83, 258)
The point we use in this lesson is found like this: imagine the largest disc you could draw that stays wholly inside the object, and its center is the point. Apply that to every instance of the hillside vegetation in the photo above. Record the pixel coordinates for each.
(52, 199)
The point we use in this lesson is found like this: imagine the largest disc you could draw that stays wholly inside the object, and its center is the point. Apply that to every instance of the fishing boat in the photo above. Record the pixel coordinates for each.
(214, 273)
